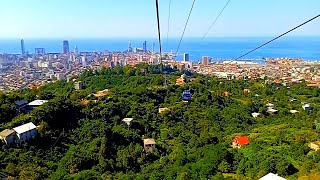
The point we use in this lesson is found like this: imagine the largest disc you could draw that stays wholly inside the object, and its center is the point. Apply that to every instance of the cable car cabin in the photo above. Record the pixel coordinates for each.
(186, 95)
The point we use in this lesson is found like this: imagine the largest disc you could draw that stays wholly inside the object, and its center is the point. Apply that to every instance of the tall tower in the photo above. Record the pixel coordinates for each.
(185, 57)
(76, 51)
(65, 47)
(22, 47)
(144, 46)
(129, 47)
(153, 47)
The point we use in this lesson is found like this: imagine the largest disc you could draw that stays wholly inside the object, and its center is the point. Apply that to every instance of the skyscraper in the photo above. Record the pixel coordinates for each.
(22, 47)
(129, 48)
(65, 47)
(144, 46)
(205, 60)
(76, 51)
(153, 47)
(185, 57)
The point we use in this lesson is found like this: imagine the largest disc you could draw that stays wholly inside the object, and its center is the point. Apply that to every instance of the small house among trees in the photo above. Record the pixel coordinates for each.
(79, 85)
(19, 134)
(240, 141)
(149, 144)
(272, 176)
(163, 110)
(246, 91)
(8, 136)
(128, 121)
(315, 145)
(306, 106)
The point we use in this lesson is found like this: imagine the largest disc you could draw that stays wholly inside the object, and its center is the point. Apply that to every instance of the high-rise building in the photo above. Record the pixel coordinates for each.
(65, 47)
(76, 51)
(153, 47)
(22, 47)
(144, 45)
(129, 47)
(205, 60)
(185, 57)
(83, 61)
(39, 51)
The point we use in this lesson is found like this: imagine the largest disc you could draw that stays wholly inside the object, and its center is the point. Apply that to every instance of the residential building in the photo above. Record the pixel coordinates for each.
(246, 91)
(144, 46)
(8, 136)
(21, 104)
(163, 110)
(205, 60)
(272, 110)
(306, 106)
(255, 115)
(23, 51)
(240, 141)
(149, 144)
(79, 85)
(180, 80)
(128, 121)
(314, 145)
(102, 93)
(185, 57)
(65, 47)
(294, 111)
(26, 132)
(270, 105)
(226, 93)
(34, 104)
(39, 51)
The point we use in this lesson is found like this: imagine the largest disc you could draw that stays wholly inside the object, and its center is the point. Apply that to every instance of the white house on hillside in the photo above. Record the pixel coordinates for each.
(272, 176)
(26, 132)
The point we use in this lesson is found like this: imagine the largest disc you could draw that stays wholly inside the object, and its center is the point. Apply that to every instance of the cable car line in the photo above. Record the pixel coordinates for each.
(278, 37)
(169, 16)
(214, 22)
(159, 32)
(185, 27)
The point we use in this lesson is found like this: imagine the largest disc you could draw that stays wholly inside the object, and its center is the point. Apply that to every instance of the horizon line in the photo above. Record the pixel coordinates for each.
(190, 37)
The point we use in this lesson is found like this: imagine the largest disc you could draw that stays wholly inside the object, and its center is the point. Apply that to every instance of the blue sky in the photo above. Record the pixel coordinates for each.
(137, 18)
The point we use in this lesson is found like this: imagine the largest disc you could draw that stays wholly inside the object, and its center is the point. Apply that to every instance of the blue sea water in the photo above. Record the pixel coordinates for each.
(307, 48)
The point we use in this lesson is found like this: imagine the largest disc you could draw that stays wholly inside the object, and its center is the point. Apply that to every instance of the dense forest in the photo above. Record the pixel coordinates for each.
(83, 137)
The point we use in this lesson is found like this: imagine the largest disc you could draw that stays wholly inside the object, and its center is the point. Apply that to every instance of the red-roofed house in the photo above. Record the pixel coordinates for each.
(240, 141)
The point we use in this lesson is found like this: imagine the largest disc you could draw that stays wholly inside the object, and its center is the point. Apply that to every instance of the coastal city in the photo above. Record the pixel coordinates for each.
(32, 70)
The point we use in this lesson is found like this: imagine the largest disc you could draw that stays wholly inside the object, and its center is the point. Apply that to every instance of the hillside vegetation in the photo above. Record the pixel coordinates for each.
(88, 140)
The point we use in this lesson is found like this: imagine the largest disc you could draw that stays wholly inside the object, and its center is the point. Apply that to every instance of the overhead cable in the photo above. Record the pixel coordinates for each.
(278, 37)
(159, 32)
(185, 27)
(169, 16)
(216, 19)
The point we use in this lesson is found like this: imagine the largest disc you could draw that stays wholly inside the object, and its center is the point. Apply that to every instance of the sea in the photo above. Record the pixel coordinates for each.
(222, 48)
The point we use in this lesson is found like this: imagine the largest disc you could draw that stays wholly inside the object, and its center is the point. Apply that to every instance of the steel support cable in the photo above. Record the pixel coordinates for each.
(185, 27)
(278, 37)
(159, 32)
(169, 16)
(214, 22)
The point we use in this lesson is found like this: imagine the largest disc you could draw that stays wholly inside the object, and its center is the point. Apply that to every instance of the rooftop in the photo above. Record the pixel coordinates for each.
(24, 128)
(242, 140)
(21, 102)
(149, 141)
(37, 102)
(126, 120)
(6, 132)
(272, 176)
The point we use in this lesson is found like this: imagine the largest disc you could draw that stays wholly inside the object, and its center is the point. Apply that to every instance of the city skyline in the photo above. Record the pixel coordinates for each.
(123, 18)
